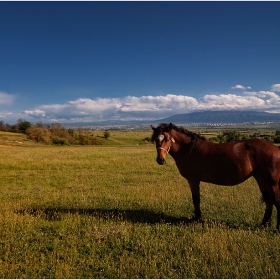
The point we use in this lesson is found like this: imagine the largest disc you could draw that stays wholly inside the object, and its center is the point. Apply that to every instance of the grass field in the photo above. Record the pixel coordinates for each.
(111, 211)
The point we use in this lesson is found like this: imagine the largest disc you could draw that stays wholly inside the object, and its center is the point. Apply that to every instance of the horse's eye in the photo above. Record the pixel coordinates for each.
(160, 137)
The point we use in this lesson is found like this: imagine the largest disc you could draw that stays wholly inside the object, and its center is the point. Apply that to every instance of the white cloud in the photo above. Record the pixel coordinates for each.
(146, 107)
(6, 99)
(229, 102)
(160, 103)
(35, 113)
(275, 87)
(115, 108)
(262, 94)
(152, 107)
(240, 87)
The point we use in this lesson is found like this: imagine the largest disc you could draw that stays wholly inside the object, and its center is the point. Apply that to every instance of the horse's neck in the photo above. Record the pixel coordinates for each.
(181, 140)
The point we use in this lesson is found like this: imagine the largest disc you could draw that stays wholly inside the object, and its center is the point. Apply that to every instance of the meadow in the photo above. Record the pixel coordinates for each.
(111, 211)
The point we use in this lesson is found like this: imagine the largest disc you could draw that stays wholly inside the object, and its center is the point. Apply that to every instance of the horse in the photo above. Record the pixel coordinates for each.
(227, 164)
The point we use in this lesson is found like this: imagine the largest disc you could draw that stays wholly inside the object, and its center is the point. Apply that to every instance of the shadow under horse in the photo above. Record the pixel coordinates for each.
(223, 164)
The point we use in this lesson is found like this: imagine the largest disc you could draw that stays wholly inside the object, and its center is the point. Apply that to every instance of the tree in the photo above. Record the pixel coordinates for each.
(23, 125)
(228, 136)
(2, 126)
(233, 135)
(71, 131)
(106, 134)
(276, 139)
(39, 134)
(58, 131)
(221, 138)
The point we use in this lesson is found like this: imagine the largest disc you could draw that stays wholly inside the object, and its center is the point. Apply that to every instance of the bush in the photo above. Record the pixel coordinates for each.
(2, 126)
(228, 136)
(55, 133)
(60, 141)
(23, 125)
(87, 140)
(39, 134)
(58, 131)
(277, 139)
(106, 134)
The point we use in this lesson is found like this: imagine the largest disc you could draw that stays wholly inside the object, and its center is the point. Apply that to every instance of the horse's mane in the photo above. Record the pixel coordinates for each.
(164, 127)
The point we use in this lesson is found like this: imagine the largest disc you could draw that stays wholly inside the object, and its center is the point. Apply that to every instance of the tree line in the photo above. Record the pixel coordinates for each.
(54, 133)
(234, 135)
(57, 134)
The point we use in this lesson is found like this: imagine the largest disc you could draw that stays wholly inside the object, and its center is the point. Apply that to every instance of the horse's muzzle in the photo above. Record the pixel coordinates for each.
(161, 161)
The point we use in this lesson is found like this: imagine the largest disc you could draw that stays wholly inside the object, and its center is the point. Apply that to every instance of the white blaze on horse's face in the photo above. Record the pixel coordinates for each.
(160, 137)
(163, 148)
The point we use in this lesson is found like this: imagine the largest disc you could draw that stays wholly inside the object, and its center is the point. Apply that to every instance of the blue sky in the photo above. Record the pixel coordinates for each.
(90, 61)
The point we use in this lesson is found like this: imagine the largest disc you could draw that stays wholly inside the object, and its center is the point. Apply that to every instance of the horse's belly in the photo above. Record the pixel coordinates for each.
(226, 177)
(225, 182)
(218, 169)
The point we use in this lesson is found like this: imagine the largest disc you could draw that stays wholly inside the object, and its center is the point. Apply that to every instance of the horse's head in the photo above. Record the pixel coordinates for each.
(164, 140)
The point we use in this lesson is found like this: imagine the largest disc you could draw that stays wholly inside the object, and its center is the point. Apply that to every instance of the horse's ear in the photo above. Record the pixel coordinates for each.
(171, 125)
(153, 128)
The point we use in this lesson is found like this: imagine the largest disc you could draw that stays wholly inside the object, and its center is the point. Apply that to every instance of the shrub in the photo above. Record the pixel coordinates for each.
(277, 139)
(58, 130)
(39, 134)
(228, 136)
(23, 125)
(60, 141)
(86, 138)
(71, 131)
(106, 134)
(2, 126)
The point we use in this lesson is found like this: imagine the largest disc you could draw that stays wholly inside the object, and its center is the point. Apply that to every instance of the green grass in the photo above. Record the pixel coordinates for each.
(113, 212)
(13, 139)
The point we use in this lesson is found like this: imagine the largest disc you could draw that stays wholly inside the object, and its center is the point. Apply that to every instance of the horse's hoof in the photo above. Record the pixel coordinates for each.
(265, 224)
(196, 219)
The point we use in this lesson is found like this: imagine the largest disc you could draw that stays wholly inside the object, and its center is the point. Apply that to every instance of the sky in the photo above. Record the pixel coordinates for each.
(95, 61)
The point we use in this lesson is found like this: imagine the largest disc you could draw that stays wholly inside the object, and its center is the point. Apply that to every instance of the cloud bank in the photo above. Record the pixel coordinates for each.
(127, 108)
(145, 107)
(155, 107)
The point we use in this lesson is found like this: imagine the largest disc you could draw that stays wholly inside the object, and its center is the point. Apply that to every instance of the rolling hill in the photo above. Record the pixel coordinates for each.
(206, 117)
(223, 117)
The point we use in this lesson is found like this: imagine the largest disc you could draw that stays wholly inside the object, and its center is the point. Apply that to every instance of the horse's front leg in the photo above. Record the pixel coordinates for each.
(194, 185)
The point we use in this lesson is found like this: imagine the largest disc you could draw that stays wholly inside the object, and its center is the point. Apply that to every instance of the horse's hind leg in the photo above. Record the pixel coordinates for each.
(268, 200)
(278, 217)
(268, 210)
(271, 196)
(196, 199)
(277, 204)
(276, 201)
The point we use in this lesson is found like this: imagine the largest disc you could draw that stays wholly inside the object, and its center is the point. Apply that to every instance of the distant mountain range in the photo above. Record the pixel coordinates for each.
(206, 117)
(223, 117)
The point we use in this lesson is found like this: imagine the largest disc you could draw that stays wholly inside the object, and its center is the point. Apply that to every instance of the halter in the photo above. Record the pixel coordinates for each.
(167, 151)
(194, 142)
(161, 138)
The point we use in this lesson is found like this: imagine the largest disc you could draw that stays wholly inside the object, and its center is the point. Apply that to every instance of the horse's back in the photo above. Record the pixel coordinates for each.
(255, 146)
(262, 149)
(233, 162)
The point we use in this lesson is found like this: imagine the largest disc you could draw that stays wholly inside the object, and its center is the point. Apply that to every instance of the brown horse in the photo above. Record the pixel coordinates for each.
(223, 164)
